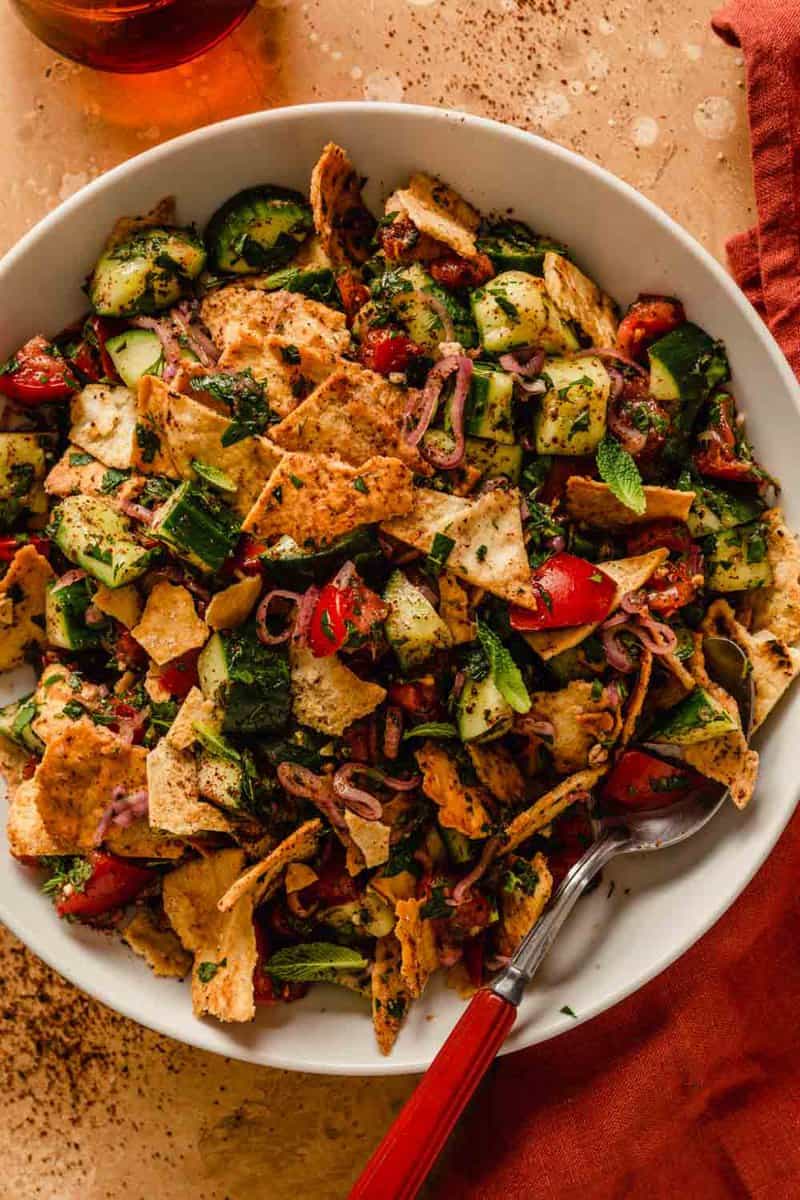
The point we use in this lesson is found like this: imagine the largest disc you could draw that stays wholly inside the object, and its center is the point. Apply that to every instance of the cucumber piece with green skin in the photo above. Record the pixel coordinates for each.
(579, 662)
(736, 559)
(258, 229)
(422, 322)
(483, 712)
(16, 724)
(413, 627)
(288, 567)
(369, 916)
(318, 283)
(513, 246)
(686, 364)
(492, 459)
(514, 310)
(715, 508)
(572, 414)
(220, 780)
(247, 680)
(214, 476)
(136, 353)
(197, 527)
(93, 535)
(489, 409)
(146, 272)
(459, 847)
(698, 718)
(65, 616)
(23, 466)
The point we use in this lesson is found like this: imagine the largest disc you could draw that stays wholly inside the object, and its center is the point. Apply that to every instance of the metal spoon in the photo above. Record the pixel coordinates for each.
(399, 1166)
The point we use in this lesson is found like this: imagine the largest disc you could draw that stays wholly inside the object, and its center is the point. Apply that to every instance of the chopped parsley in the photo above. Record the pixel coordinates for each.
(69, 870)
(207, 970)
(360, 484)
(148, 442)
(78, 458)
(298, 483)
(441, 548)
(113, 479)
(246, 398)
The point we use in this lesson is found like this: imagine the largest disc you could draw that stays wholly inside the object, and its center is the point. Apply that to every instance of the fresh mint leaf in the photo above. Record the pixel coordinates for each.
(112, 479)
(431, 729)
(440, 550)
(504, 670)
(618, 469)
(313, 962)
(246, 399)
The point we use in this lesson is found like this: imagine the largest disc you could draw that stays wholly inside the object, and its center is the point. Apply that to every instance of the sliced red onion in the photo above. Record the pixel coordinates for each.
(633, 440)
(392, 731)
(656, 636)
(435, 305)
(274, 639)
(93, 616)
(459, 679)
(137, 511)
(69, 577)
(533, 726)
(617, 656)
(196, 339)
(556, 544)
(346, 576)
(393, 782)
(526, 363)
(299, 781)
(526, 389)
(611, 695)
(122, 810)
(461, 366)
(634, 602)
(609, 352)
(464, 886)
(305, 611)
(171, 347)
(358, 800)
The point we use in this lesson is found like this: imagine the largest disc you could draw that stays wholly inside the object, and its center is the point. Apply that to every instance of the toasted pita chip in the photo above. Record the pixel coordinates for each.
(298, 876)
(392, 888)
(103, 423)
(629, 574)
(580, 720)
(327, 695)
(774, 664)
(461, 806)
(184, 430)
(24, 585)
(124, 604)
(174, 796)
(488, 543)
(438, 211)
(302, 322)
(71, 476)
(354, 415)
(520, 909)
(27, 836)
(223, 943)
(195, 710)
(170, 625)
(579, 299)
(548, 807)
(390, 998)
(290, 372)
(637, 697)
(777, 607)
(315, 498)
(158, 946)
(454, 609)
(595, 504)
(233, 605)
(371, 838)
(261, 880)
(81, 768)
(343, 223)
(497, 771)
(13, 764)
(57, 686)
(419, 956)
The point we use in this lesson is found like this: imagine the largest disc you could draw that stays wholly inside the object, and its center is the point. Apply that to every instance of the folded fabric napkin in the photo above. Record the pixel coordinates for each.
(691, 1088)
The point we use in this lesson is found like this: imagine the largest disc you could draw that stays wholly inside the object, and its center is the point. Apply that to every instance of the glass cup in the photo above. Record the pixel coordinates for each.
(131, 35)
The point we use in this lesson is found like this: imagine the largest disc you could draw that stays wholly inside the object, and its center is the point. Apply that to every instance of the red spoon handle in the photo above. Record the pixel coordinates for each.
(399, 1166)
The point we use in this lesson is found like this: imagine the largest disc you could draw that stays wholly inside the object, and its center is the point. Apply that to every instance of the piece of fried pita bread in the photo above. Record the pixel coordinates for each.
(419, 957)
(777, 607)
(438, 211)
(343, 223)
(595, 504)
(774, 664)
(390, 997)
(261, 880)
(24, 586)
(548, 807)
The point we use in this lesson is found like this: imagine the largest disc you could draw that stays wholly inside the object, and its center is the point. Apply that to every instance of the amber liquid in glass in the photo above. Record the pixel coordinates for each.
(132, 35)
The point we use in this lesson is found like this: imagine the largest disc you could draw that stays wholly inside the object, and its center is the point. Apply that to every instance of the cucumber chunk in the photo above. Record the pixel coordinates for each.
(16, 724)
(489, 411)
(318, 283)
(93, 535)
(65, 617)
(736, 559)
(513, 246)
(369, 916)
(572, 415)
(23, 466)
(698, 718)
(197, 526)
(459, 847)
(288, 567)
(715, 508)
(514, 310)
(483, 712)
(423, 321)
(213, 476)
(413, 627)
(248, 680)
(686, 365)
(146, 272)
(258, 229)
(135, 353)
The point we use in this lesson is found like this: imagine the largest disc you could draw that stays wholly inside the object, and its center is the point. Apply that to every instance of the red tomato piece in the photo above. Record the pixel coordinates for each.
(128, 651)
(570, 591)
(418, 698)
(180, 675)
(454, 272)
(38, 374)
(648, 318)
(387, 351)
(642, 782)
(672, 586)
(9, 545)
(113, 883)
(354, 294)
(655, 535)
(342, 615)
(562, 469)
(721, 454)
(246, 557)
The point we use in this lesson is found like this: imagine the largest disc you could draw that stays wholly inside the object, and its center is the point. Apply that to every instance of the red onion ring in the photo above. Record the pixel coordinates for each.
(69, 577)
(274, 639)
(516, 363)
(122, 810)
(137, 511)
(435, 305)
(616, 657)
(486, 859)
(392, 731)
(455, 364)
(358, 800)
(171, 347)
(532, 726)
(305, 611)
(299, 781)
(608, 352)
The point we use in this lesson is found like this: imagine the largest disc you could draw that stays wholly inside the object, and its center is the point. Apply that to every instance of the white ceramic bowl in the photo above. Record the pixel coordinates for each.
(661, 903)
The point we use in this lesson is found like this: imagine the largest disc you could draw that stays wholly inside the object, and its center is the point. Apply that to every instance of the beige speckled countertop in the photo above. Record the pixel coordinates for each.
(95, 1108)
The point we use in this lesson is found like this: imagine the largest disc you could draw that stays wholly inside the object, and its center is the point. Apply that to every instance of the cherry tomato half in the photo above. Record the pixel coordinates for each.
(342, 615)
(113, 883)
(721, 456)
(180, 675)
(388, 350)
(655, 535)
(570, 591)
(642, 782)
(648, 318)
(9, 545)
(38, 374)
(453, 272)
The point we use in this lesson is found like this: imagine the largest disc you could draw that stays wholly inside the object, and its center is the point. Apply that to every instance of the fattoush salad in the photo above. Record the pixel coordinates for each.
(358, 559)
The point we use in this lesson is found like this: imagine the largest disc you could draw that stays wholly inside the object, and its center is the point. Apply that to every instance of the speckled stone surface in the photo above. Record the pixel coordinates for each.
(95, 1108)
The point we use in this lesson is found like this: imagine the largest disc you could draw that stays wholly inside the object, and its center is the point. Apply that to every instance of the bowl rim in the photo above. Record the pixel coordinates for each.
(15, 920)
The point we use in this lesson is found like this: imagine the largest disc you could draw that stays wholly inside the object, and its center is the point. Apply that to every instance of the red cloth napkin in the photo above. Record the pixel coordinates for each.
(691, 1088)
